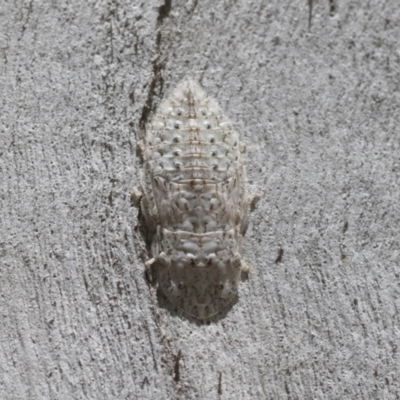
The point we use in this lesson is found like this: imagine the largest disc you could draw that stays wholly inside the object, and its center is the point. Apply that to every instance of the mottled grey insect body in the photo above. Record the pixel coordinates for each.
(195, 202)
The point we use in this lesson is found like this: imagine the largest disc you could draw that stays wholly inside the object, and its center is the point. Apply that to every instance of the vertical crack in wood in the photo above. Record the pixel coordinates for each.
(280, 255)
(176, 366)
(30, 9)
(332, 8)
(157, 67)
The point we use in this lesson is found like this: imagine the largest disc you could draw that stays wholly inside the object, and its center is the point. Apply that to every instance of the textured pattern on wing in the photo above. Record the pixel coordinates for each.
(194, 201)
(200, 273)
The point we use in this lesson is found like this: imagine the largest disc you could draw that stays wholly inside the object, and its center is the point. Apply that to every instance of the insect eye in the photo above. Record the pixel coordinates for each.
(212, 140)
(175, 139)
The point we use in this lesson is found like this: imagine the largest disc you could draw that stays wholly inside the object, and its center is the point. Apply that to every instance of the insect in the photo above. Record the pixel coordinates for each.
(194, 201)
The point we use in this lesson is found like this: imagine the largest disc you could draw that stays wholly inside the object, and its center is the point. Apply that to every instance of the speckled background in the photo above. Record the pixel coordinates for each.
(315, 93)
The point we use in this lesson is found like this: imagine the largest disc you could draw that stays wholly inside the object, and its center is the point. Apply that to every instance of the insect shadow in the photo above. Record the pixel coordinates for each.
(175, 311)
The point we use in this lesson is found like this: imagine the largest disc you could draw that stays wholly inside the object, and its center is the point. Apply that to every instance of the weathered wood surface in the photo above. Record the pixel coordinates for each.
(314, 93)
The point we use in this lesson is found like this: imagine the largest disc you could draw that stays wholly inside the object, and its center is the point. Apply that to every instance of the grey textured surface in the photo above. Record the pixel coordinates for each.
(318, 106)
